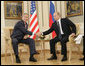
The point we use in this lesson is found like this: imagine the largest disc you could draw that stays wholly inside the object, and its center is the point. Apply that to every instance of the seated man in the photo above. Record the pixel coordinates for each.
(61, 26)
(19, 36)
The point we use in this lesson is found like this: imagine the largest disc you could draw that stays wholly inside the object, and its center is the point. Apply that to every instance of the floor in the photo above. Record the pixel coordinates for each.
(42, 60)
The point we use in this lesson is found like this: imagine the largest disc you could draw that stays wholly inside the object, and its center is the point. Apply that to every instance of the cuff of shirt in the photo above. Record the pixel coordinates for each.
(41, 33)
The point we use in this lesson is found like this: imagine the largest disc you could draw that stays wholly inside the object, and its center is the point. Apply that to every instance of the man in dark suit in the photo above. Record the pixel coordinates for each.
(61, 26)
(19, 36)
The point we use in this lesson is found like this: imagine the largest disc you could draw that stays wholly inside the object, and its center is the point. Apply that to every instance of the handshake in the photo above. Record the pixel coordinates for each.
(39, 34)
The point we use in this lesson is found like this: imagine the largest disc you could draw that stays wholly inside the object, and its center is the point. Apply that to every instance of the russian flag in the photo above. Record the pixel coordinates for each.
(51, 18)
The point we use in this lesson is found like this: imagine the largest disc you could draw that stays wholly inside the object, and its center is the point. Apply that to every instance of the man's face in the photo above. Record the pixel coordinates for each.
(25, 18)
(56, 16)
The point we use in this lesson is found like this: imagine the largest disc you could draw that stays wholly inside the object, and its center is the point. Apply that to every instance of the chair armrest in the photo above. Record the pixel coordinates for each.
(7, 39)
(71, 39)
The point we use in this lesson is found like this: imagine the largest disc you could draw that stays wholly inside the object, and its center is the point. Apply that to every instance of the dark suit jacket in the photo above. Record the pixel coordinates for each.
(66, 27)
(20, 30)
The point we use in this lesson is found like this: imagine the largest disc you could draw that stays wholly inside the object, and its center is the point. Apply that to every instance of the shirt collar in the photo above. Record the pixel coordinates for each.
(59, 20)
(24, 22)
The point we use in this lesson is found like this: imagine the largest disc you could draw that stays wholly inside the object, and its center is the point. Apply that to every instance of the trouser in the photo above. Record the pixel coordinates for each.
(63, 45)
(28, 41)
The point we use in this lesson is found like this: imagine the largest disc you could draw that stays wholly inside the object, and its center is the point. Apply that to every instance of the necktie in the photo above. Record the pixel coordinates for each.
(60, 36)
(26, 25)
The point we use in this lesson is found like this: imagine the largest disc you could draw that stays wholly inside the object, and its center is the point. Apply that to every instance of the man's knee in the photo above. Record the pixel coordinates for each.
(64, 41)
(52, 43)
(14, 41)
(30, 41)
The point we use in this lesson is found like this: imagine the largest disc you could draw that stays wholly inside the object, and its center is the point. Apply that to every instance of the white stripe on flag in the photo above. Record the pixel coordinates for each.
(33, 24)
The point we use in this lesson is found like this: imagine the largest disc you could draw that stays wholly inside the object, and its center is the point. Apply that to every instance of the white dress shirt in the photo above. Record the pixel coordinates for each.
(60, 26)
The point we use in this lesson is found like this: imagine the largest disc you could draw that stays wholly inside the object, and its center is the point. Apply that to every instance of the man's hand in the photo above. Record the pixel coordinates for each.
(38, 34)
(26, 36)
(73, 35)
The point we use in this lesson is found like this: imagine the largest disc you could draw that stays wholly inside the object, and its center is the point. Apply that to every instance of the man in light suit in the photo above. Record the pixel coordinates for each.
(19, 36)
(61, 26)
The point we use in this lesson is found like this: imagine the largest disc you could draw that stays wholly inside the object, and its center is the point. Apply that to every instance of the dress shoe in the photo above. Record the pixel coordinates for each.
(52, 58)
(81, 59)
(32, 59)
(18, 60)
(37, 53)
(64, 59)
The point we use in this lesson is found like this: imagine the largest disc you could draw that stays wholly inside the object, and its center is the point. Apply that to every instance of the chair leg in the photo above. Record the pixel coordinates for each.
(11, 54)
(28, 50)
(70, 52)
(5, 52)
(79, 51)
(11, 57)
(10, 48)
(41, 46)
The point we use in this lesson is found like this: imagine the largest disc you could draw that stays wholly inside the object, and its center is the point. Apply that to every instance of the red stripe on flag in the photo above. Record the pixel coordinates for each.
(34, 36)
(37, 30)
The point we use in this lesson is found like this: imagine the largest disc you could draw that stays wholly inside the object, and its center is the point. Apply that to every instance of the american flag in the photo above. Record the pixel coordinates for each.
(33, 20)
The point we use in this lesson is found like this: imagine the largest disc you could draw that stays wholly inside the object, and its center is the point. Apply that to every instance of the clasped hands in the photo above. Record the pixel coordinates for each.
(39, 34)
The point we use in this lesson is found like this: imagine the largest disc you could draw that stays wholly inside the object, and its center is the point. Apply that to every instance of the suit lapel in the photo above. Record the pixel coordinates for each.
(25, 25)
(62, 23)
(56, 24)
